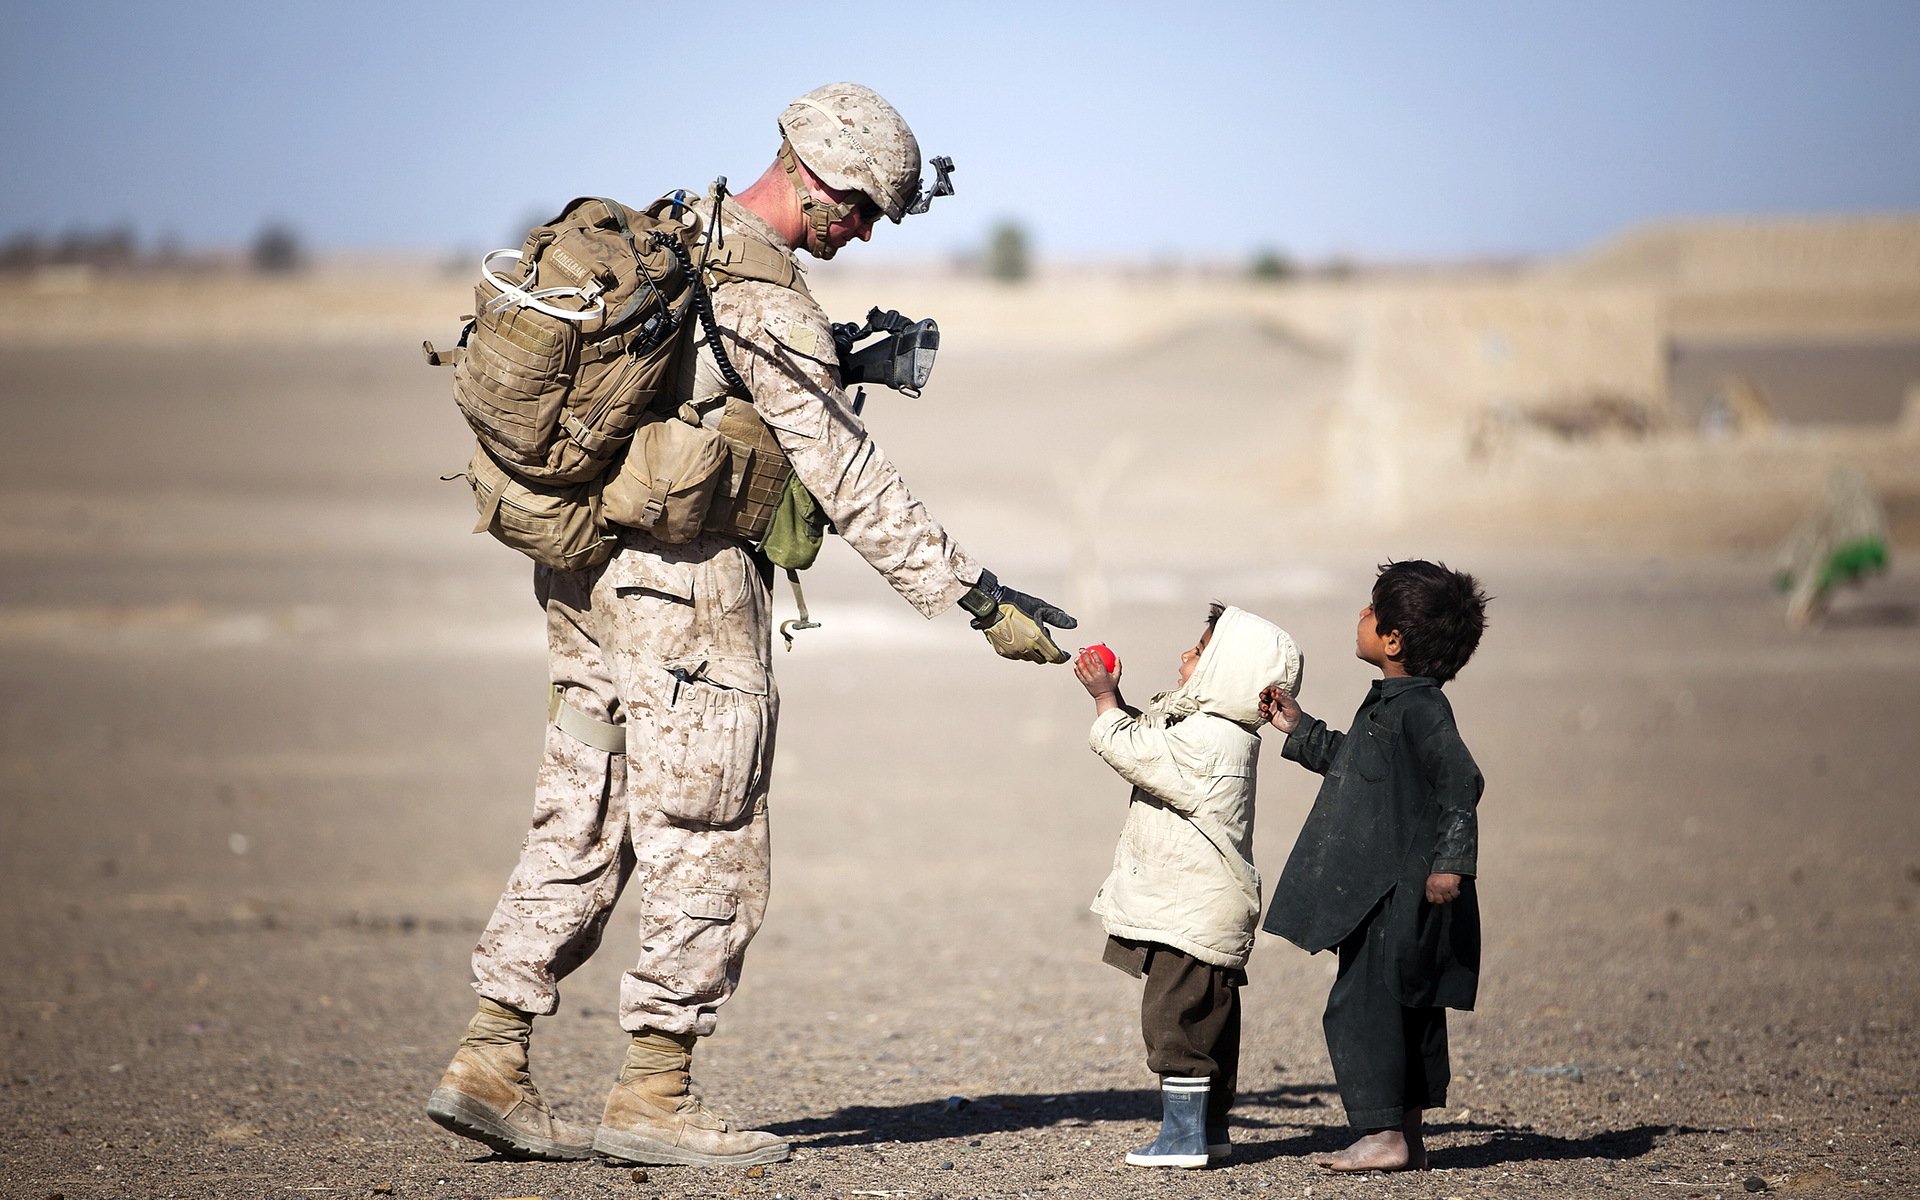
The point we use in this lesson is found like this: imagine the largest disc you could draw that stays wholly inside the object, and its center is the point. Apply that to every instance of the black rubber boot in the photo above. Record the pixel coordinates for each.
(1183, 1126)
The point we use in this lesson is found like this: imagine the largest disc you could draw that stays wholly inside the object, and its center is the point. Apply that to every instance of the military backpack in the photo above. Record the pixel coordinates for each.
(572, 338)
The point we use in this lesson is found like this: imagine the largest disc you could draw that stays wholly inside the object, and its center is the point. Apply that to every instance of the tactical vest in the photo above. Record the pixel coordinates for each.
(757, 469)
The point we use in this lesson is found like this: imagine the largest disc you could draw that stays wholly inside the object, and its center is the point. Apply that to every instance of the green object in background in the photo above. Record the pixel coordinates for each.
(1843, 565)
(1854, 561)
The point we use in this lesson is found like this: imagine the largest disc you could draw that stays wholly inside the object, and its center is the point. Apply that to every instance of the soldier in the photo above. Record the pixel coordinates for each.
(666, 648)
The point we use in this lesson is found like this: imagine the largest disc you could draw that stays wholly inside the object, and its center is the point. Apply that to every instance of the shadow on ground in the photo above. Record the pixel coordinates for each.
(1500, 1144)
(1871, 615)
(977, 1116)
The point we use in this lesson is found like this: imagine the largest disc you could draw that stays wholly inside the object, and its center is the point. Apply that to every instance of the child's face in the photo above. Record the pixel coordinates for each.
(1188, 658)
(1372, 646)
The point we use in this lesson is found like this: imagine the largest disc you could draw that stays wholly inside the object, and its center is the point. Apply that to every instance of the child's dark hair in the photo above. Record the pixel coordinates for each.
(1213, 614)
(1440, 615)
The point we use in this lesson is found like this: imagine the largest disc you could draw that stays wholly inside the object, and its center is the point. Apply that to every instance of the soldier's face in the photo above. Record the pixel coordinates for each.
(857, 225)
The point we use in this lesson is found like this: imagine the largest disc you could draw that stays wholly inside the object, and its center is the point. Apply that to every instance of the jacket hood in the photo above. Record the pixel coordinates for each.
(1245, 654)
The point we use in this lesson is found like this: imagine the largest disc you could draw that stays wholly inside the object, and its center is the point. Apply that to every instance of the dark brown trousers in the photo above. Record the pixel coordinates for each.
(1189, 1017)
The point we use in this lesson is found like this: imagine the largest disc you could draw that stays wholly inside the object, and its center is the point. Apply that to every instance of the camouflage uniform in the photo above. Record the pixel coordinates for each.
(674, 644)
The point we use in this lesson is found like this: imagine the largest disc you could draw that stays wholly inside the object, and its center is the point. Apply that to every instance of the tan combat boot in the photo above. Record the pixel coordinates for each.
(488, 1096)
(653, 1116)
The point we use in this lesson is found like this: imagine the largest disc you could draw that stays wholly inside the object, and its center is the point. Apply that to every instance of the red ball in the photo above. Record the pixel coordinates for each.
(1107, 659)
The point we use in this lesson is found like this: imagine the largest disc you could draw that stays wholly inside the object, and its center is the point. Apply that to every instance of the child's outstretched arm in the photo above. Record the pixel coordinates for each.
(1142, 753)
(1279, 709)
(1309, 742)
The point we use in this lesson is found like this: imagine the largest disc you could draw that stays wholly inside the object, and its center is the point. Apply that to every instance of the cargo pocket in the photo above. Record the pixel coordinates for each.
(649, 572)
(712, 739)
(689, 944)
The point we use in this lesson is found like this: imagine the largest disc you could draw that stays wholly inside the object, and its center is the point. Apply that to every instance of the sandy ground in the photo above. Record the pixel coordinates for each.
(270, 719)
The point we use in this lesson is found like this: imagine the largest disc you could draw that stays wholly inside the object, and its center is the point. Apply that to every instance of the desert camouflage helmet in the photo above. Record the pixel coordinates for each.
(854, 140)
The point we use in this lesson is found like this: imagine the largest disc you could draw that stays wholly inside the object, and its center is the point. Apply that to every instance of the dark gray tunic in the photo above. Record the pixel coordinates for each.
(1398, 805)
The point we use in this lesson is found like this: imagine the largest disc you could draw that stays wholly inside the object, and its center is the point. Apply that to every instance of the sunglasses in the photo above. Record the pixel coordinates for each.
(863, 205)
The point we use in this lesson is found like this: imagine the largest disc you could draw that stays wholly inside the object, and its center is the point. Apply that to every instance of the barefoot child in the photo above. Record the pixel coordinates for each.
(1181, 903)
(1383, 870)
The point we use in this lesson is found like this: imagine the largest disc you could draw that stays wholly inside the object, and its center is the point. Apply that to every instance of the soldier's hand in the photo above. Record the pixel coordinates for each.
(1014, 622)
(1443, 887)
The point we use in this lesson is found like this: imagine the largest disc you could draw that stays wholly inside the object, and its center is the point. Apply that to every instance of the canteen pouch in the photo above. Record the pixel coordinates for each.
(556, 526)
(667, 484)
(798, 529)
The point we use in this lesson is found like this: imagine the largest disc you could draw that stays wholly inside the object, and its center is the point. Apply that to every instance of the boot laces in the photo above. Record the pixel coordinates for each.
(693, 1103)
(522, 1079)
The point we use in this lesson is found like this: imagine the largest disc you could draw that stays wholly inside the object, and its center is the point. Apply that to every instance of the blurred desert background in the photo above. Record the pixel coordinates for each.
(269, 715)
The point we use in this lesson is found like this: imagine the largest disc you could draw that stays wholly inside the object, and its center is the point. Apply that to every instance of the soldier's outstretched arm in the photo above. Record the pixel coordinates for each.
(781, 343)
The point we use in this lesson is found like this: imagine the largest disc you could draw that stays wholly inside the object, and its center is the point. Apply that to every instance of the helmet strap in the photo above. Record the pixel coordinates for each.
(820, 214)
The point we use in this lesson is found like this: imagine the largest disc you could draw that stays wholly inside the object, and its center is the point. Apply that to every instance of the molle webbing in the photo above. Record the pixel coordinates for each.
(758, 471)
(743, 259)
(756, 477)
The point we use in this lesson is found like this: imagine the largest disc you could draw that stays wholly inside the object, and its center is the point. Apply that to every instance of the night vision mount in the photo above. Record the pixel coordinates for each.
(942, 186)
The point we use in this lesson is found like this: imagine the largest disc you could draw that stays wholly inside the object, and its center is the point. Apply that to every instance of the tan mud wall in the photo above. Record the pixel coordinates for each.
(1431, 363)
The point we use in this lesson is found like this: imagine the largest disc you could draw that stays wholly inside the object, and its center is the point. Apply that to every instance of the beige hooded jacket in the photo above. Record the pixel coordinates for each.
(1183, 873)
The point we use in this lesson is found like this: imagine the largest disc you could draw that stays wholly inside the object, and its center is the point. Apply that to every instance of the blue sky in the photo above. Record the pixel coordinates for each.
(1382, 130)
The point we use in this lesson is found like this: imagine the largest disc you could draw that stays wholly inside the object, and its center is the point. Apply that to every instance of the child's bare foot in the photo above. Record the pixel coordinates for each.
(1381, 1150)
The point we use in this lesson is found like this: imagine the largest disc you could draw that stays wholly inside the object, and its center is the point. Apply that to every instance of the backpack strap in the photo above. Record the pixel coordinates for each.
(743, 259)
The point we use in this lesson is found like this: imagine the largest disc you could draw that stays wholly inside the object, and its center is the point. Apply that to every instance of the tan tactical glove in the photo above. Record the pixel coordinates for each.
(1014, 622)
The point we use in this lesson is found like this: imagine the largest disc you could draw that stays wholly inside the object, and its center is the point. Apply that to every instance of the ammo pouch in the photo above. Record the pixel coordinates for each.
(680, 478)
(667, 485)
(556, 525)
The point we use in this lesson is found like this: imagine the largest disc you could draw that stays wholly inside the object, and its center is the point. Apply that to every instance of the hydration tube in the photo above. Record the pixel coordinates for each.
(514, 295)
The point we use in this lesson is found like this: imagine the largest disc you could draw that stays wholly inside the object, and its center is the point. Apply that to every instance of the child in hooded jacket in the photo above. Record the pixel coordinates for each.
(1183, 899)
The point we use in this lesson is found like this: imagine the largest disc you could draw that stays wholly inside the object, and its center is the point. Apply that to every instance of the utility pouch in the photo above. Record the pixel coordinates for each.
(798, 528)
(667, 485)
(557, 525)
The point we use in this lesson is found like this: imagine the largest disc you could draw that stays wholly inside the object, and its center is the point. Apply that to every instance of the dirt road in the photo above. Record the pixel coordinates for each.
(270, 720)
